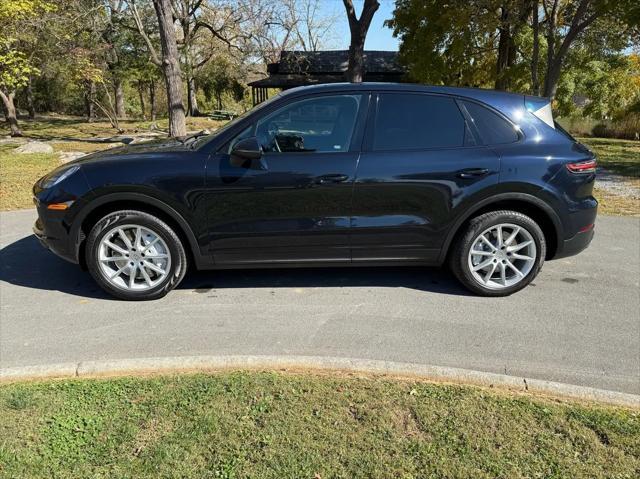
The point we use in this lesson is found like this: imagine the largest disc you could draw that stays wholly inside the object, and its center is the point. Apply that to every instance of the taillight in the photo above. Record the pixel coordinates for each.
(588, 166)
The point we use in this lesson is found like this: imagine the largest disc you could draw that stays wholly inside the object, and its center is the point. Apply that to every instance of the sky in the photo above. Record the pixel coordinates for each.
(378, 37)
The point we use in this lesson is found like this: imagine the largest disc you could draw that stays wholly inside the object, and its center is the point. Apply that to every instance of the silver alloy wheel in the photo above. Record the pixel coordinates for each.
(502, 256)
(134, 258)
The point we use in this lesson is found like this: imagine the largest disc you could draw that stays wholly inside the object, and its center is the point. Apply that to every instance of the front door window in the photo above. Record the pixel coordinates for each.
(322, 124)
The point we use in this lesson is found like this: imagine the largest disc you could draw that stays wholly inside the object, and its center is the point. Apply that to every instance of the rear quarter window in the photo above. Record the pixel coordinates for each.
(493, 129)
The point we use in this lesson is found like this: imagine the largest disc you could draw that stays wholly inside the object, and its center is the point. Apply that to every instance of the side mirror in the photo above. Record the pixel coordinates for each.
(247, 153)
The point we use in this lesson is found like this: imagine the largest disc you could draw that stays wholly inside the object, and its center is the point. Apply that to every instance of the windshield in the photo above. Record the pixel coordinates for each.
(202, 141)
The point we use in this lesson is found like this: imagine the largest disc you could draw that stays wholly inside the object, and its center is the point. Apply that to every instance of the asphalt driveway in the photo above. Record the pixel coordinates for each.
(578, 323)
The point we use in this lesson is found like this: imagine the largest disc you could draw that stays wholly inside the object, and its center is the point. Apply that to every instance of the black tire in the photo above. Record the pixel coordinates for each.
(177, 268)
(458, 258)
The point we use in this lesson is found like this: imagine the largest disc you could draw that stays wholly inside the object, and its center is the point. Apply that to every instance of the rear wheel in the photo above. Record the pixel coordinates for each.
(500, 253)
(134, 255)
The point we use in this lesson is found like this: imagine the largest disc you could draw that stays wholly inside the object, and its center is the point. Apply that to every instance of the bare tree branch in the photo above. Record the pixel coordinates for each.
(153, 54)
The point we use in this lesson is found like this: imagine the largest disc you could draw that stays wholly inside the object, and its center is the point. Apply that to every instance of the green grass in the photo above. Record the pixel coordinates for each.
(18, 173)
(279, 425)
(620, 156)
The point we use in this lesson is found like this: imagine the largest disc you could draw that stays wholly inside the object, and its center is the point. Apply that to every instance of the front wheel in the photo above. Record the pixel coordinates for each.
(500, 253)
(135, 256)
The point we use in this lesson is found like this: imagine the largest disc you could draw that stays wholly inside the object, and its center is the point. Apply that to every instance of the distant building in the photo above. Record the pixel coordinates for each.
(580, 100)
(297, 68)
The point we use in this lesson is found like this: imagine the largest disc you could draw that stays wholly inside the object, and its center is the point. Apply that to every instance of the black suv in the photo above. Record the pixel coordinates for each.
(333, 175)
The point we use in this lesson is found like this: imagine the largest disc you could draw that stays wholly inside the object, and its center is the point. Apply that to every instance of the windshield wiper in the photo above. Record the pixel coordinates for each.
(190, 138)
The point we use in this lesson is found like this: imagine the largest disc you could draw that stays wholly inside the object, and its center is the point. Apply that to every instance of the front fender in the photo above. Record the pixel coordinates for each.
(197, 239)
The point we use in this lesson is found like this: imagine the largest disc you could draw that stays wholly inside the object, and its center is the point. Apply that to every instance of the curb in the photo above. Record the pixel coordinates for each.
(204, 363)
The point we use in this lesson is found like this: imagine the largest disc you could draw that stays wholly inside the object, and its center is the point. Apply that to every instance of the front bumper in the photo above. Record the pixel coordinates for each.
(50, 230)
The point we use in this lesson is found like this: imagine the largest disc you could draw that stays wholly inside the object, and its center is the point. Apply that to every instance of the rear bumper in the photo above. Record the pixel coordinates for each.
(575, 245)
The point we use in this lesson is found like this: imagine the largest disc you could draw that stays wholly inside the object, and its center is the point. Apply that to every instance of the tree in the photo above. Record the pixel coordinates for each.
(535, 53)
(566, 20)
(14, 73)
(358, 28)
(500, 43)
(222, 76)
(273, 26)
(113, 35)
(16, 41)
(452, 43)
(196, 18)
(513, 18)
(169, 62)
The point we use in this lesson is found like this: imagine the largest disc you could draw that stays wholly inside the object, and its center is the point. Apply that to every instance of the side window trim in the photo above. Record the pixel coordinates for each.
(461, 100)
(370, 123)
(470, 123)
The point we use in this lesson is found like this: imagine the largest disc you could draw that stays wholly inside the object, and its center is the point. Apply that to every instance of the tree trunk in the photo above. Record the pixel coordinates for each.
(119, 94)
(355, 73)
(152, 100)
(535, 55)
(4, 111)
(504, 44)
(30, 105)
(551, 43)
(10, 111)
(358, 29)
(141, 95)
(551, 78)
(89, 101)
(192, 100)
(171, 68)
(555, 58)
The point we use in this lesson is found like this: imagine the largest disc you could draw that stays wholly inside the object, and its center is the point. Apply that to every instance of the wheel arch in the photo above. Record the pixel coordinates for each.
(524, 203)
(103, 205)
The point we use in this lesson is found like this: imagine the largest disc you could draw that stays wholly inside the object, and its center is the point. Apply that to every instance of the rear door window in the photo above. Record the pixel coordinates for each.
(409, 121)
(493, 129)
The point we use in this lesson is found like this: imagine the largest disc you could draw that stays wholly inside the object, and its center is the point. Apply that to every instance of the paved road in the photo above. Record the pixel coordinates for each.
(579, 323)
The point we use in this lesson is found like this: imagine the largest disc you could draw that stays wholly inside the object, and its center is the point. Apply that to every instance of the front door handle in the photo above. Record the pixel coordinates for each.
(334, 178)
(473, 172)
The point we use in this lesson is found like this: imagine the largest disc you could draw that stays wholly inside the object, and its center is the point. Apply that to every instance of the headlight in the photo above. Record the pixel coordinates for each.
(56, 177)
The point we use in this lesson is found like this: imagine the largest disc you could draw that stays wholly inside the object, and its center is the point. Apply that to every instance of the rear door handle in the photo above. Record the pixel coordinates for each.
(334, 178)
(473, 172)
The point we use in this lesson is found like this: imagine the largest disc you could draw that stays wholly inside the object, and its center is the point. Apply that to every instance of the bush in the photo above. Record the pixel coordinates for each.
(627, 127)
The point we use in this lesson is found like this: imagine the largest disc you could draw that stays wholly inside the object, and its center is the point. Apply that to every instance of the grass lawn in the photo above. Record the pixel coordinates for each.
(18, 173)
(620, 156)
(616, 205)
(286, 425)
(623, 158)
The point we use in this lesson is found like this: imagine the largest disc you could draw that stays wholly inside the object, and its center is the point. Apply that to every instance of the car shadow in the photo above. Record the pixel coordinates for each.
(26, 263)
